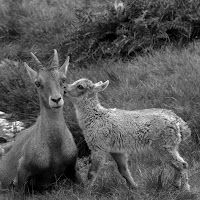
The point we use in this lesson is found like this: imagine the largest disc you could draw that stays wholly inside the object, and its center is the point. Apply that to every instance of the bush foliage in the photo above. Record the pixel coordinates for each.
(92, 30)
(143, 25)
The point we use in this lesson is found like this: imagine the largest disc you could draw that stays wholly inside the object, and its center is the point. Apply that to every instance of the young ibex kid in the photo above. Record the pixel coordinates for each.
(120, 132)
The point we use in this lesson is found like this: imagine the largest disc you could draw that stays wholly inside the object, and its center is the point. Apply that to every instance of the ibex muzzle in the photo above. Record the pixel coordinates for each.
(56, 101)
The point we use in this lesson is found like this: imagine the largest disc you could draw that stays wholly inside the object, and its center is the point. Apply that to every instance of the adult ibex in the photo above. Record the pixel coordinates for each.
(45, 152)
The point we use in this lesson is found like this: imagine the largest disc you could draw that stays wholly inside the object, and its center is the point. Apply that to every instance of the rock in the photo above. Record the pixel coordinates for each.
(2, 131)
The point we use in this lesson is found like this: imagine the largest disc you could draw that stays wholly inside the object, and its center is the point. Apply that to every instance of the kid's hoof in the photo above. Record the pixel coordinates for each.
(15, 182)
(12, 185)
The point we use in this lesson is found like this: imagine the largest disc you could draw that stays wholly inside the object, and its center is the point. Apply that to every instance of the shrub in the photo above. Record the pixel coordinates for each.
(142, 26)
(93, 30)
(18, 94)
(37, 26)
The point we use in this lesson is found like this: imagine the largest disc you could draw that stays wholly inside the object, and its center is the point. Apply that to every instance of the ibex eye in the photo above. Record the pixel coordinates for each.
(37, 83)
(63, 80)
(80, 87)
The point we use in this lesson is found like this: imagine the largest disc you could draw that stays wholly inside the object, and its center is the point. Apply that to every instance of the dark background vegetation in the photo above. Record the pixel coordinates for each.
(149, 51)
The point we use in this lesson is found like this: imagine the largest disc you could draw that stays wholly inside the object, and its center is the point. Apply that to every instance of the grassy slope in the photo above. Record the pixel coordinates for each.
(154, 180)
(165, 79)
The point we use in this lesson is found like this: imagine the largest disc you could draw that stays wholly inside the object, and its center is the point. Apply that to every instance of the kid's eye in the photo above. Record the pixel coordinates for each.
(37, 83)
(80, 87)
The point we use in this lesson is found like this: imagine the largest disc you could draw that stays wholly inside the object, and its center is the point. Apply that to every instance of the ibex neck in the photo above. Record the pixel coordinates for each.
(51, 124)
(55, 114)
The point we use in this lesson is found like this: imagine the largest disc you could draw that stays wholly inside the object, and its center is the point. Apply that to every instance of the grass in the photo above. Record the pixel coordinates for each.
(168, 78)
(154, 180)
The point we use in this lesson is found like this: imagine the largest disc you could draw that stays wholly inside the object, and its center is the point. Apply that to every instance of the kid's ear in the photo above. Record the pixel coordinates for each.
(100, 86)
(32, 73)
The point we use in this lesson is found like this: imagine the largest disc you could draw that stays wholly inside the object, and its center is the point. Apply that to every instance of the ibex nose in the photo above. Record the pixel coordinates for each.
(56, 100)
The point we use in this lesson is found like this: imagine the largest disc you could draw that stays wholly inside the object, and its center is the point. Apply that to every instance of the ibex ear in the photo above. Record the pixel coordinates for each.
(100, 86)
(64, 67)
(32, 73)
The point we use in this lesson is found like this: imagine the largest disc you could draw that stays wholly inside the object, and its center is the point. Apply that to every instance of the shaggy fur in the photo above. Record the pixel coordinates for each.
(121, 132)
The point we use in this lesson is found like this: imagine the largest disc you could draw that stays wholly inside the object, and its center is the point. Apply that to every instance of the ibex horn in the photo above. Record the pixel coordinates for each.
(55, 62)
(36, 60)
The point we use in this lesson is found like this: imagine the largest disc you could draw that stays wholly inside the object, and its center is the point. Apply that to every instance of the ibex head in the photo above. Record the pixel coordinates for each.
(49, 81)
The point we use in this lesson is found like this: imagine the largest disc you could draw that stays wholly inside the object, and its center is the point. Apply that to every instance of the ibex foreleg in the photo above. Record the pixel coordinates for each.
(22, 176)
